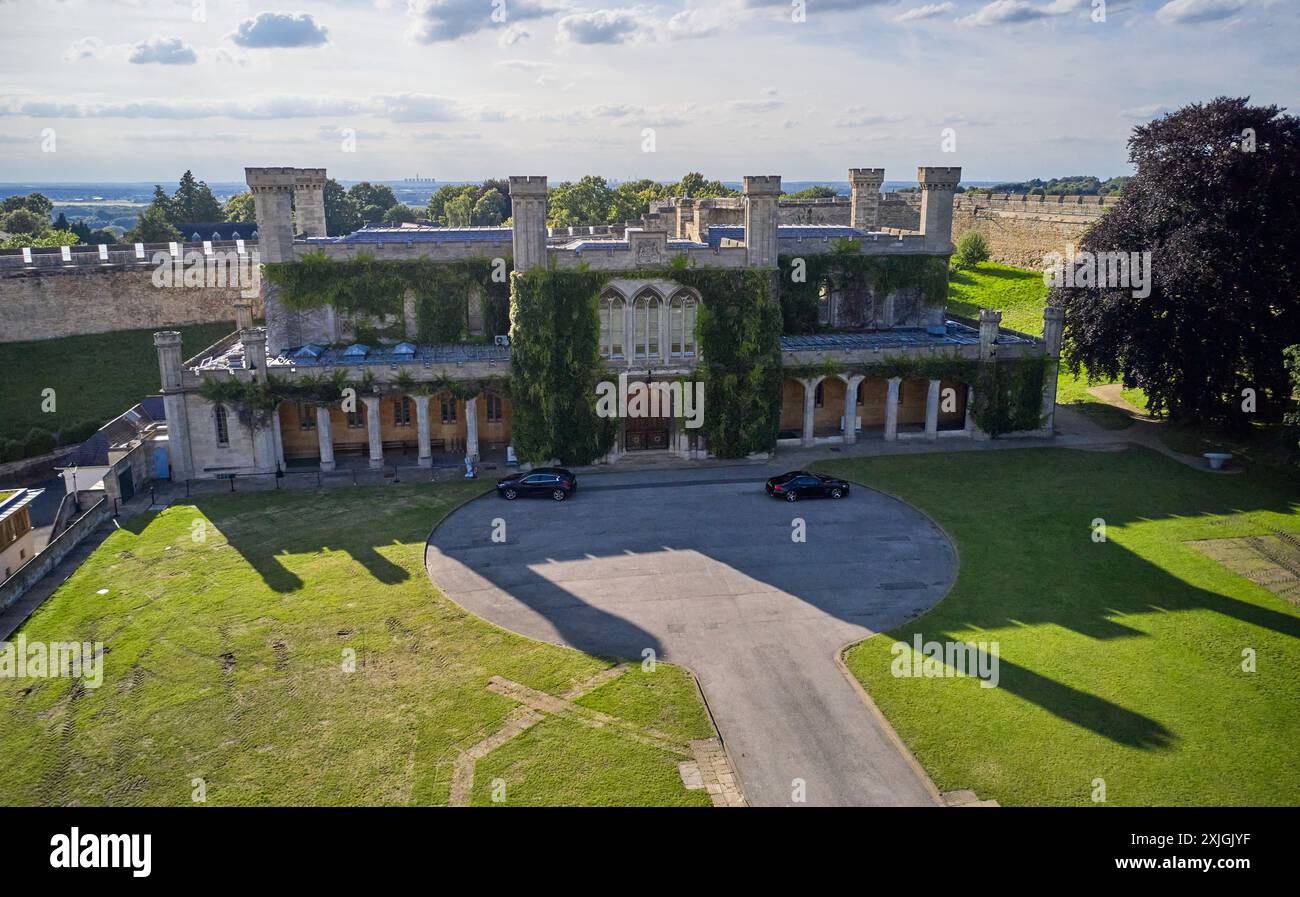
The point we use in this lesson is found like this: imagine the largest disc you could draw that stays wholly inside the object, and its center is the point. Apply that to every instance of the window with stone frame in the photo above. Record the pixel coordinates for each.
(681, 325)
(356, 420)
(306, 417)
(402, 411)
(645, 325)
(612, 322)
(222, 422)
(493, 408)
(448, 407)
(819, 394)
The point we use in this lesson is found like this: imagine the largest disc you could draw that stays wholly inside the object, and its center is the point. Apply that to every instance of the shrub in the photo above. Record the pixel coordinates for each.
(74, 434)
(11, 450)
(39, 442)
(972, 249)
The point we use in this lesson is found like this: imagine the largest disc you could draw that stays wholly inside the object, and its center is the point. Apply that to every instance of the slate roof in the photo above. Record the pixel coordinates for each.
(955, 334)
(785, 232)
(403, 353)
(375, 234)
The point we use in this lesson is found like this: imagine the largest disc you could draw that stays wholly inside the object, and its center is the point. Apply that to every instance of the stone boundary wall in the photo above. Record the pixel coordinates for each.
(77, 301)
(1022, 230)
(30, 573)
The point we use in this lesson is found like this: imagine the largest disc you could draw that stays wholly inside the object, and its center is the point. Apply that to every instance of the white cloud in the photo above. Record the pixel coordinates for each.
(163, 51)
(928, 11)
(434, 21)
(1186, 12)
(1145, 113)
(277, 29)
(602, 26)
(749, 107)
(514, 34)
(84, 48)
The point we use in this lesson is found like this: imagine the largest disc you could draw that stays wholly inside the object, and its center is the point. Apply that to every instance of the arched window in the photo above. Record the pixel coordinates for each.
(611, 325)
(645, 325)
(222, 421)
(681, 324)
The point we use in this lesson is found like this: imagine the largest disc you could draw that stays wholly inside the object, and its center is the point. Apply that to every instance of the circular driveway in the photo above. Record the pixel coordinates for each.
(707, 573)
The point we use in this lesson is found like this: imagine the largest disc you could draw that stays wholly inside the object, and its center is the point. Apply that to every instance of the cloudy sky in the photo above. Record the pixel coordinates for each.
(463, 89)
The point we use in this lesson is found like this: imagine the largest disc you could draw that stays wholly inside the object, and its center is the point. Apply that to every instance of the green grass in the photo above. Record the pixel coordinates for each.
(1119, 660)
(1021, 296)
(226, 662)
(94, 377)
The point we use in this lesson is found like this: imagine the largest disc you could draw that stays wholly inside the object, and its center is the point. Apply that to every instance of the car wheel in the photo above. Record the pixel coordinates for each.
(510, 494)
(559, 495)
(791, 496)
(836, 493)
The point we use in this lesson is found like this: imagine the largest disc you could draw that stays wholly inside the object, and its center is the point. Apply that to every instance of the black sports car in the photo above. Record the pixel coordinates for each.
(799, 484)
(552, 482)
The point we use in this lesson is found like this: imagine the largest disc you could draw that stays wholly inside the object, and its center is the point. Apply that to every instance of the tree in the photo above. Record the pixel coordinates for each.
(399, 214)
(459, 211)
(193, 201)
(50, 237)
(586, 202)
(972, 249)
(32, 202)
(240, 208)
(694, 185)
(372, 200)
(817, 192)
(1216, 203)
(153, 227)
(490, 210)
(341, 216)
(24, 221)
(61, 223)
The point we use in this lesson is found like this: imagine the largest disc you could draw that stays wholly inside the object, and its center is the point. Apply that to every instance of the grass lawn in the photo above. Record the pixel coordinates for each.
(94, 377)
(1021, 296)
(226, 662)
(1119, 660)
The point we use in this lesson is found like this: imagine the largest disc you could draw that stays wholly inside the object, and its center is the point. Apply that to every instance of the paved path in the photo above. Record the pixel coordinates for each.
(707, 575)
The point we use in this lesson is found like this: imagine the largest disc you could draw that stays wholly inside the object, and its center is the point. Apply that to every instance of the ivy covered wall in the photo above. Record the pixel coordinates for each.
(368, 286)
(802, 278)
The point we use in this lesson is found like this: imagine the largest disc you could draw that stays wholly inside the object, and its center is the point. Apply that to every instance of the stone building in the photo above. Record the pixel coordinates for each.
(433, 403)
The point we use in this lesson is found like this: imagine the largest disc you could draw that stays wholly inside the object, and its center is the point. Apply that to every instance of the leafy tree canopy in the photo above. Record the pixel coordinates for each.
(1216, 202)
(240, 208)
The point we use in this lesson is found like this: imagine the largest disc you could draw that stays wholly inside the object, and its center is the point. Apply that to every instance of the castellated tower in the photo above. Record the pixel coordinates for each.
(528, 208)
(277, 193)
(761, 219)
(938, 185)
(864, 203)
(168, 344)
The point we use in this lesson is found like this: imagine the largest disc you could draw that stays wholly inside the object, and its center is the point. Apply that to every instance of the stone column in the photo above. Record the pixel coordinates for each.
(932, 410)
(372, 429)
(168, 344)
(809, 409)
(528, 210)
(938, 186)
(762, 216)
(471, 428)
(891, 409)
(309, 201)
(422, 430)
(851, 408)
(277, 438)
(864, 209)
(969, 425)
(243, 314)
(254, 341)
(1053, 325)
(990, 321)
(272, 190)
(325, 435)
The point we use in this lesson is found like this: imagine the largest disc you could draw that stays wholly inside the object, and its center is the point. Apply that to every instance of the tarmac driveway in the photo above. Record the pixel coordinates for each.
(706, 575)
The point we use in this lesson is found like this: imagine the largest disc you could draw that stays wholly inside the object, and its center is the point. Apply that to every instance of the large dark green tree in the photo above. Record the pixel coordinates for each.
(1216, 200)
(341, 214)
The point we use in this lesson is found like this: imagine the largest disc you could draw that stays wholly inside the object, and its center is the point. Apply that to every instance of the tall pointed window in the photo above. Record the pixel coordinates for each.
(681, 325)
(645, 330)
(611, 326)
(222, 421)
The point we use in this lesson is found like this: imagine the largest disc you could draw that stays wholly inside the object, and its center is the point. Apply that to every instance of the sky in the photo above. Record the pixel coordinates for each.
(140, 90)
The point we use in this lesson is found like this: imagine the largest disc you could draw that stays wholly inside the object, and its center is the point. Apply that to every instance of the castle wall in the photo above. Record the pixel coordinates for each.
(51, 304)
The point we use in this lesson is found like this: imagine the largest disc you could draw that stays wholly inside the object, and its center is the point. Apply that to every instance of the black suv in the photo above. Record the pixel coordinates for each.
(552, 482)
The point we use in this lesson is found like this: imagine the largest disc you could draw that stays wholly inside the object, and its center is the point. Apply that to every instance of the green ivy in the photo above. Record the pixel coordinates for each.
(375, 288)
(555, 364)
(802, 278)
